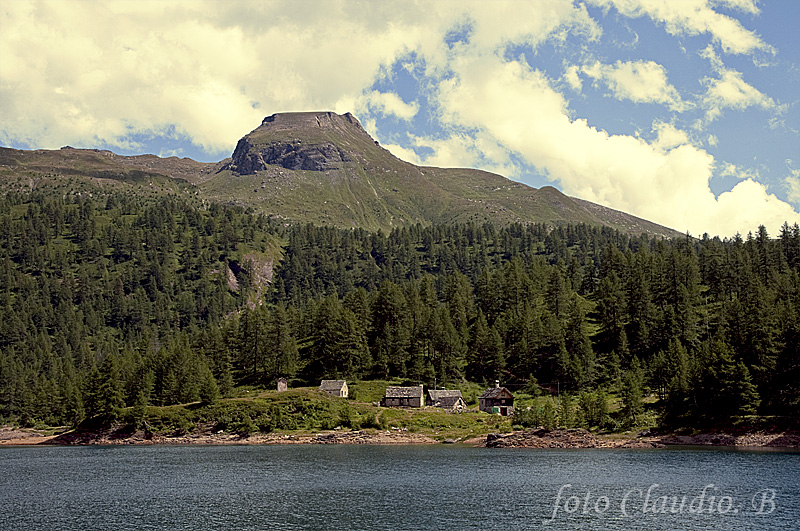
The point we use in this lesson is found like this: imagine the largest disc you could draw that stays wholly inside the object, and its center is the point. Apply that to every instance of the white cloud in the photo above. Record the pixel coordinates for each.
(666, 181)
(727, 169)
(747, 206)
(638, 81)
(730, 91)
(792, 184)
(404, 153)
(694, 17)
(668, 136)
(81, 73)
(475, 150)
(389, 103)
(531, 22)
(72, 81)
(747, 6)
(572, 78)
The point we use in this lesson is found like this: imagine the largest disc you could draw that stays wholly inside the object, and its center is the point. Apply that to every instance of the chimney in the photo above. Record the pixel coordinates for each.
(497, 383)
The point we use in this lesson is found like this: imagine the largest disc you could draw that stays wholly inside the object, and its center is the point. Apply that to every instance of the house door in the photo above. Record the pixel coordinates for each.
(503, 411)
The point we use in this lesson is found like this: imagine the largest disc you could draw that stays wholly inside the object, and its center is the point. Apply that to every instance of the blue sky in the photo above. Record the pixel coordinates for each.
(684, 112)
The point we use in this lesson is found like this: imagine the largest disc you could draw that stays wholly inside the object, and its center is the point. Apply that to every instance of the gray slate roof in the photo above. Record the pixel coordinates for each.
(496, 392)
(332, 385)
(449, 401)
(438, 394)
(404, 392)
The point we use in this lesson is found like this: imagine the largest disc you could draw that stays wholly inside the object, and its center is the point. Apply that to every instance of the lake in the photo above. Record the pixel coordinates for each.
(396, 488)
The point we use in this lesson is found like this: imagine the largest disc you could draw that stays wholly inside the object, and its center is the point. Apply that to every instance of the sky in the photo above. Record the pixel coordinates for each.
(683, 112)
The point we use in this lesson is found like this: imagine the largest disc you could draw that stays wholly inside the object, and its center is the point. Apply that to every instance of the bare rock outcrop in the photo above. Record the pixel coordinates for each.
(261, 149)
(248, 159)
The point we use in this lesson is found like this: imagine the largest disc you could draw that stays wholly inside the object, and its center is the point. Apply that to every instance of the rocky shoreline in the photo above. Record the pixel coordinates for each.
(563, 438)
(580, 438)
(533, 438)
(16, 437)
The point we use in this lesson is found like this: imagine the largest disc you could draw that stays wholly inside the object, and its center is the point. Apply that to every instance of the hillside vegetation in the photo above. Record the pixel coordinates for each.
(114, 301)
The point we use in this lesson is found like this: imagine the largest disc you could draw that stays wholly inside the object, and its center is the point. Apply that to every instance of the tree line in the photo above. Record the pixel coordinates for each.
(118, 301)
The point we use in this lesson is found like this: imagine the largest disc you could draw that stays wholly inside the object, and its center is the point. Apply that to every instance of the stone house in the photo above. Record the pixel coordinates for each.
(497, 400)
(404, 397)
(446, 399)
(334, 387)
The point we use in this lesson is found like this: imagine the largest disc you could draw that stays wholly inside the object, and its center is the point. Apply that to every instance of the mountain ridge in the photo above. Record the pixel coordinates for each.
(322, 167)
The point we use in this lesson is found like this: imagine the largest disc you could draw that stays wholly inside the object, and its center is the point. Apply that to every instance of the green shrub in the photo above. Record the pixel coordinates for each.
(287, 422)
(243, 424)
(528, 418)
(264, 424)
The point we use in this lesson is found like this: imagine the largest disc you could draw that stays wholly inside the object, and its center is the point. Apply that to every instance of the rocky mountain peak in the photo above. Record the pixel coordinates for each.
(298, 141)
(322, 119)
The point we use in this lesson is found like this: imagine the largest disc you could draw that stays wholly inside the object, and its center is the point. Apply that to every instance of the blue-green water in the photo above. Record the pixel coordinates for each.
(395, 488)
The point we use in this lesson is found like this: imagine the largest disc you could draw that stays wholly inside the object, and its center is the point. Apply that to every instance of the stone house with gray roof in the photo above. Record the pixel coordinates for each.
(497, 400)
(335, 388)
(449, 399)
(404, 397)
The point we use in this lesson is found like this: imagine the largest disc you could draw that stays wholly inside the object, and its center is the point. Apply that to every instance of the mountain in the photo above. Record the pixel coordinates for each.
(324, 168)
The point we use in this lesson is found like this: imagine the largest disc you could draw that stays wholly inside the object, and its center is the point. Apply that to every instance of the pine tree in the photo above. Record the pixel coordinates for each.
(391, 332)
(106, 396)
(284, 353)
(579, 347)
(208, 390)
(566, 411)
(632, 382)
(449, 349)
(726, 390)
(486, 359)
(611, 306)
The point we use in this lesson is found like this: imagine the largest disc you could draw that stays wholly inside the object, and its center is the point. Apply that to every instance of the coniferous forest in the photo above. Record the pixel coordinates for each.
(112, 301)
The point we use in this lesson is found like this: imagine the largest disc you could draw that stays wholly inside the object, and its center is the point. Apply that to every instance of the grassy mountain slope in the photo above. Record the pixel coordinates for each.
(318, 167)
(21, 169)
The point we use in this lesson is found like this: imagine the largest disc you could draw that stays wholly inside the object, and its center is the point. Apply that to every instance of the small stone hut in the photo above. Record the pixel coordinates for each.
(404, 397)
(283, 385)
(497, 400)
(335, 387)
(447, 399)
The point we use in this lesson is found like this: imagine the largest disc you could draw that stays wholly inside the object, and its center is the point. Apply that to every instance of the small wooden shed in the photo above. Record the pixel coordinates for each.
(334, 387)
(404, 397)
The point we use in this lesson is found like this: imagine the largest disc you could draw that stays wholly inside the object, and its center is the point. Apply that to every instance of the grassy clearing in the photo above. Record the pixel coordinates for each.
(304, 411)
(308, 410)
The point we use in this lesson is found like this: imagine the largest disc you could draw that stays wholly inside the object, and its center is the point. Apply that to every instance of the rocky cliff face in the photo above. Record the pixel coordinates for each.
(248, 159)
(260, 149)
